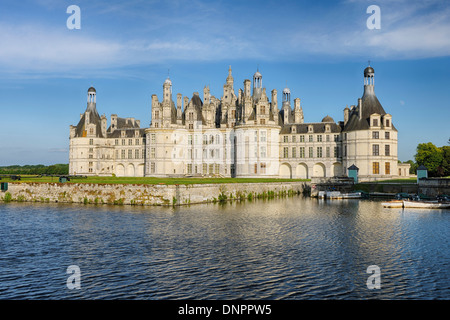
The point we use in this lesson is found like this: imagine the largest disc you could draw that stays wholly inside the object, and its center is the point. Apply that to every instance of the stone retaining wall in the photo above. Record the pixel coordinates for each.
(137, 194)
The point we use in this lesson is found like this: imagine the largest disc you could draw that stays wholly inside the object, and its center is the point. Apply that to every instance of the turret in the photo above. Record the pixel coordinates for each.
(257, 85)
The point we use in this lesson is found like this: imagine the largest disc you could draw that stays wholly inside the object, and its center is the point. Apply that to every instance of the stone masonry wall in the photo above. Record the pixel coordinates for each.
(136, 194)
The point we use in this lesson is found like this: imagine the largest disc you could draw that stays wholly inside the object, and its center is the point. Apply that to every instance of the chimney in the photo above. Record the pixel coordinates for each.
(104, 124)
(346, 115)
(360, 107)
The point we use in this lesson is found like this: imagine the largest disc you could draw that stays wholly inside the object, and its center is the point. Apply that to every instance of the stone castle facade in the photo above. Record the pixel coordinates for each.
(243, 135)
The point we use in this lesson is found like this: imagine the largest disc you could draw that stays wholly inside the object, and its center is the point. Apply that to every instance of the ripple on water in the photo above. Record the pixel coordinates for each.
(295, 248)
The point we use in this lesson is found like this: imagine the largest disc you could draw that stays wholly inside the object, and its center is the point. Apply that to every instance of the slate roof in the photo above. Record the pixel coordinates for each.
(370, 105)
(317, 128)
(94, 118)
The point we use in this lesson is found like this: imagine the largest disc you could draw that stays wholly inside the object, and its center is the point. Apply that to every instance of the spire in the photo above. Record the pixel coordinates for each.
(230, 79)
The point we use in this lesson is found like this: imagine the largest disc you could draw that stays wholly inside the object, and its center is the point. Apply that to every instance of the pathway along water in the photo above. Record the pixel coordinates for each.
(292, 248)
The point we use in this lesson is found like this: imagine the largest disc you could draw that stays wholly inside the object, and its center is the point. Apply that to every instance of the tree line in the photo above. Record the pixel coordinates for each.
(55, 169)
(435, 159)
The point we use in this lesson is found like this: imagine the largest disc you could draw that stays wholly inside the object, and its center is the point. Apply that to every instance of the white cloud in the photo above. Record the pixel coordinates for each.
(409, 30)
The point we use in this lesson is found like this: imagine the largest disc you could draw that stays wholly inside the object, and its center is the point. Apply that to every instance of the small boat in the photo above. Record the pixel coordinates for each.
(393, 204)
(425, 204)
(339, 195)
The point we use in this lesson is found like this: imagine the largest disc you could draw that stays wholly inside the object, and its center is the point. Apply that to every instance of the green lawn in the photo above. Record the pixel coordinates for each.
(149, 180)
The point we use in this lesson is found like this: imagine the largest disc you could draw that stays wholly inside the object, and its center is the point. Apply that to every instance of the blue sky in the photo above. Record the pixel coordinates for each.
(125, 49)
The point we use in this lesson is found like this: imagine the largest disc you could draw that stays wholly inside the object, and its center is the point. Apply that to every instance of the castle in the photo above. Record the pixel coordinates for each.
(243, 135)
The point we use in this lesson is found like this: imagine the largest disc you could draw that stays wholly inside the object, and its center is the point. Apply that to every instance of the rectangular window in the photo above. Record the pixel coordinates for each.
(375, 150)
(388, 123)
(91, 142)
(153, 138)
(375, 135)
(387, 150)
(153, 153)
(387, 135)
(191, 126)
(310, 138)
(376, 168)
(263, 152)
(189, 168)
(256, 168)
(263, 168)
(136, 142)
(302, 152)
(302, 138)
(310, 152)
(375, 122)
(130, 154)
(123, 142)
(116, 142)
(263, 136)
(130, 142)
(152, 167)
(387, 168)
(328, 138)
(285, 152)
(294, 152)
(319, 138)
(211, 168)
(216, 169)
(136, 154)
(336, 152)
(319, 152)
(294, 138)
(205, 168)
(336, 137)
(122, 154)
(328, 152)
(262, 121)
(285, 139)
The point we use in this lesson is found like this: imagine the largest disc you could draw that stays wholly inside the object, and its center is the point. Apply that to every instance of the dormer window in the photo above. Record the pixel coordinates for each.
(375, 122)
(388, 123)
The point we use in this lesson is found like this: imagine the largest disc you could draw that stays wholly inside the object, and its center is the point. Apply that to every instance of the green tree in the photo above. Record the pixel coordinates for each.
(413, 167)
(431, 157)
(446, 161)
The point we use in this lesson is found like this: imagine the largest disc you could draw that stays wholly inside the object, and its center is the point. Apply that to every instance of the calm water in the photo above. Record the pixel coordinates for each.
(296, 248)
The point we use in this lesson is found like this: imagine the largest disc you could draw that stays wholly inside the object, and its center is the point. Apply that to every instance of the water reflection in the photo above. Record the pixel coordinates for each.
(294, 248)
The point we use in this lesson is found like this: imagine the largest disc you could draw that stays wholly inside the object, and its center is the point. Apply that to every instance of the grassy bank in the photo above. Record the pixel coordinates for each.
(149, 180)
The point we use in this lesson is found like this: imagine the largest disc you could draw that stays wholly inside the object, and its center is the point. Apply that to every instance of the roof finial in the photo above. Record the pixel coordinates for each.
(369, 63)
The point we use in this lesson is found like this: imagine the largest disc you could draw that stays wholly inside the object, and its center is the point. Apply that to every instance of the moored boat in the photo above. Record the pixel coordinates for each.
(393, 204)
(339, 195)
(425, 204)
